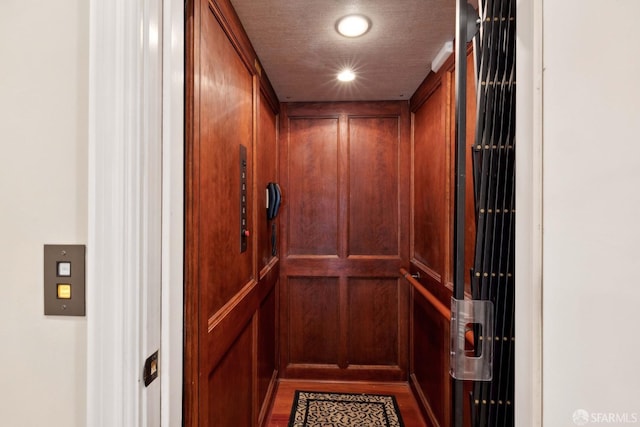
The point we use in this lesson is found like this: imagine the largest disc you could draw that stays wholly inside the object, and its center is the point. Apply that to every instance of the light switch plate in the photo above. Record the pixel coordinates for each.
(64, 280)
(150, 371)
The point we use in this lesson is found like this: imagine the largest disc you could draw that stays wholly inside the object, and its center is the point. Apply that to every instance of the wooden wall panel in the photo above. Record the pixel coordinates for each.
(267, 339)
(346, 203)
(314, 320)
(433, 108)
(312, 192)
(374, 145)
(431, 183)
(430, 373)
(373, 321)
(230, 295)
(229, 88)
(231, 406)
(266, 171)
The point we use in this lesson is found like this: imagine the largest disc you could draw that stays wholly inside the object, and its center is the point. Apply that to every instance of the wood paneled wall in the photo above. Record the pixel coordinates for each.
(433, 115)
(367, 189)
(345, 174)
(230, 295)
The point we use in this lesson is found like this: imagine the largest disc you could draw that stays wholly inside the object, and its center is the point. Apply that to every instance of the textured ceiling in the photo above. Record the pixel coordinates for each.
(301, 52)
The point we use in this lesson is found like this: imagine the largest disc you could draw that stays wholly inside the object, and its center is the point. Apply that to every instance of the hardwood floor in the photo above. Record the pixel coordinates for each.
(281, 408)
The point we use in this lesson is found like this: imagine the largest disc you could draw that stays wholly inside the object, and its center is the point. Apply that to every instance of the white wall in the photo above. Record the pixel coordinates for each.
(591, 215)
(43, 193)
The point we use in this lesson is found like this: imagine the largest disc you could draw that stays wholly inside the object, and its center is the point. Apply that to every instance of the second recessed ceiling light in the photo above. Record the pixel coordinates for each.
(346, 75)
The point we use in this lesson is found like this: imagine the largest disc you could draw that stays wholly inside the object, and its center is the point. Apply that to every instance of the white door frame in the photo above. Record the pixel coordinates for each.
(115, 296)
(134, 254)
(173, 216)
(529, 187)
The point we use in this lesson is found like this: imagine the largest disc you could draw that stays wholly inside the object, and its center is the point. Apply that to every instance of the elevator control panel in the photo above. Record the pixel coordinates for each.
(244, 230)
(64, 280)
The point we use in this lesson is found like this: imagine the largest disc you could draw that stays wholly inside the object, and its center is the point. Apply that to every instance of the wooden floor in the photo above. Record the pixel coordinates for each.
(279, 415)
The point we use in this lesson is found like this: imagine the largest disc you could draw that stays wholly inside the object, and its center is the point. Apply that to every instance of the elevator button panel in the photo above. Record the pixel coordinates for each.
(244, 231)
(64, 280)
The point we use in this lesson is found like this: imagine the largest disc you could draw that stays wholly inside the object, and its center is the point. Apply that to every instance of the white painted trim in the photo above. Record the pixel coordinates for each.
(123, 256)
(110, 400)
(150, 74)
(172, 214)
(529, 187)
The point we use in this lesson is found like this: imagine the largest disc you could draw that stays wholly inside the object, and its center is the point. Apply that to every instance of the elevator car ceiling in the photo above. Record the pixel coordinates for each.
(302, 53)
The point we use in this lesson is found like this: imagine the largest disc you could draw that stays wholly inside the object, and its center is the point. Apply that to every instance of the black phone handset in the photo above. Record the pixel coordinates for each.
(274, 198)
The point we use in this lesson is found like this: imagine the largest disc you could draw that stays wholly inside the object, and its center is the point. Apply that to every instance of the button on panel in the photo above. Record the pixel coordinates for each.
(64, 269)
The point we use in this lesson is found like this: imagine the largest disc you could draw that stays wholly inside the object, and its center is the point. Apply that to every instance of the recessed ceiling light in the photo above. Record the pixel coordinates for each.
(353, 25)
(346, 76)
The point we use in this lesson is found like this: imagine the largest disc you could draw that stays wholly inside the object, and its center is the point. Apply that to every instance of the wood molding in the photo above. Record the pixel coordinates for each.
(428, 86)
(440, 307)
(350, 373)
(424, 405)
(265, 408)
(191, 290)
(230, 22)
(269, 94)
(336, 109)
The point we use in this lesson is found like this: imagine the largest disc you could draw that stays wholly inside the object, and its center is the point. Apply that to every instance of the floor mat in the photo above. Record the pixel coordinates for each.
(320, 409)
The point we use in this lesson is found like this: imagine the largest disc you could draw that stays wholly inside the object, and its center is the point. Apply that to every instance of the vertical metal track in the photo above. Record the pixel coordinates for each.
(460, 168)
(492, 277)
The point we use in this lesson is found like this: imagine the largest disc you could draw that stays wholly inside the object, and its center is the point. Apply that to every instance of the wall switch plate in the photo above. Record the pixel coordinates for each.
(64, 280)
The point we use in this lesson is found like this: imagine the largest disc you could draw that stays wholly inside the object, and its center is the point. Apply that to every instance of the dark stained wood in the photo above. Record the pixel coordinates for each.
(231, 406)
(313, 315)
(312, 191)
(229, 22)
(373, 321)
(266, 167)
(444, 311)
(266, 360)
(374, 146)
(430, 184)
(281, 408)
(345, 175)
(223, 270)
(433, 107)
(470, 216)
(230, 297)
(430, 368)
(192, 167)
(266, 171)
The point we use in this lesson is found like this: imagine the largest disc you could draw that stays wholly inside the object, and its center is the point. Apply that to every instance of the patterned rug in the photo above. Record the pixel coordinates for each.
(317, 409)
